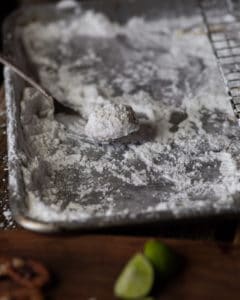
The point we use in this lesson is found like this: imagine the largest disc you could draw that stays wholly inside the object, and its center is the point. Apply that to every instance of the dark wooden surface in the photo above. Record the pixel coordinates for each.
(85, 267)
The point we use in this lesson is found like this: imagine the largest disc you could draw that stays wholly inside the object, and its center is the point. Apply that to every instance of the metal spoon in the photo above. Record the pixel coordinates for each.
(57, 104)
(7, 62)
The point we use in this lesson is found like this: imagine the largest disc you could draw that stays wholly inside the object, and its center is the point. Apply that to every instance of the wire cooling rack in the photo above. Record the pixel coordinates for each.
(222, 20)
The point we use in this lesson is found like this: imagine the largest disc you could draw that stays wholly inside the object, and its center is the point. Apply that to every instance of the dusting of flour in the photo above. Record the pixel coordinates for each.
(185, 158)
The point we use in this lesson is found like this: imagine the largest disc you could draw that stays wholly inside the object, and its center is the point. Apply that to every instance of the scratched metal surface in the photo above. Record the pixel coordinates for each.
(140, 199)
(6, 220)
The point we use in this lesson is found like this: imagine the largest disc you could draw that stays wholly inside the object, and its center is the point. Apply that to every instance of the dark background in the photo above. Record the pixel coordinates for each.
(4, 11)
(6, 8)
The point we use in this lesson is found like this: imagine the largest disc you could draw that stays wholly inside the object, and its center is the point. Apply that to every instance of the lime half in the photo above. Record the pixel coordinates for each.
(163, 259)
(136, 279)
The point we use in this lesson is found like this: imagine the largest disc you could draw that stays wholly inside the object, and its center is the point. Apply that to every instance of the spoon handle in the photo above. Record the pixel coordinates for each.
(7, 62)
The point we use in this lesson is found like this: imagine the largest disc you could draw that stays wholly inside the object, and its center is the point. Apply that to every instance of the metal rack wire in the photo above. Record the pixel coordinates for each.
(223, 28)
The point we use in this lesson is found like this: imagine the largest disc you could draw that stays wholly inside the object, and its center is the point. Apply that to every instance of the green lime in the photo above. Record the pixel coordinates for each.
(162, 257)
(136, 279)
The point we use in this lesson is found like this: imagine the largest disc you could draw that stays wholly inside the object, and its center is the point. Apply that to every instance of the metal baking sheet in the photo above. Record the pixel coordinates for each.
(185, 161)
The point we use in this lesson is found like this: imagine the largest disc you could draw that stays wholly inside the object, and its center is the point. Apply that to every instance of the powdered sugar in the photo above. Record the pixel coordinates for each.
(184, 159)
(67, 4)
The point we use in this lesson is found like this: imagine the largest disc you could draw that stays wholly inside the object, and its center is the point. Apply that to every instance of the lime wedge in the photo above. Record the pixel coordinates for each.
(163, 259)
(136, 279)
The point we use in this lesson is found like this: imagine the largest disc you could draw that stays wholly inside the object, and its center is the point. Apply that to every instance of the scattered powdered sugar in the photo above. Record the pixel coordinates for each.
(185, 158)
(6, 220)
(67, 4)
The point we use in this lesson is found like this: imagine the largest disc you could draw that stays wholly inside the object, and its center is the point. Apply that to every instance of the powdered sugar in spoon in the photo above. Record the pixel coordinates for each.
(115, 121)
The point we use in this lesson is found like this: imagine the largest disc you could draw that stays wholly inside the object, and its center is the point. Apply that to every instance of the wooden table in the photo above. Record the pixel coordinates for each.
(85, 267)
